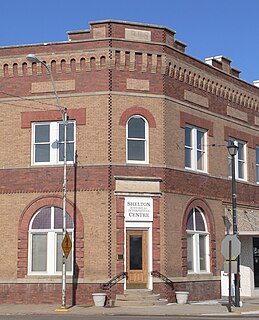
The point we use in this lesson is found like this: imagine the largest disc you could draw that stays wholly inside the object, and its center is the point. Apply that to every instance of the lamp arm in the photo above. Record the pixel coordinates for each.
(54, 88)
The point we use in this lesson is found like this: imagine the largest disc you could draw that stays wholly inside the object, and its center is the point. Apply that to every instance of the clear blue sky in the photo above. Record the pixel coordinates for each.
(209, 28)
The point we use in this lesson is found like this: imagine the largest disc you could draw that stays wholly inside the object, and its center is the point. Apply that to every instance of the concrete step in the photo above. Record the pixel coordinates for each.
(134, 297)
(135, 303)
(138, 297)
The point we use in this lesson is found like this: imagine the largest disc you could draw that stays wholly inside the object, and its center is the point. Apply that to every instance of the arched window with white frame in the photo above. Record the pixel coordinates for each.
(45, 239)
(137, 140)
(197, 242)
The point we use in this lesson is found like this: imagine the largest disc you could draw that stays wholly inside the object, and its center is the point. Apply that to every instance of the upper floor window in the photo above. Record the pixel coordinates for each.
(45, 239)
(240, 159)
(137, 140)
(48, 142)
(197, 242)
(195, 148)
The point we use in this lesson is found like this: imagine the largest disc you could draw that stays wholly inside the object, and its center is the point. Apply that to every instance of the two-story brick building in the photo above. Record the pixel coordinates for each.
(148, 179)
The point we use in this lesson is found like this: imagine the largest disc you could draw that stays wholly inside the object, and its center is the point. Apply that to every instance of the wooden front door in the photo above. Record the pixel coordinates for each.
(137, 258)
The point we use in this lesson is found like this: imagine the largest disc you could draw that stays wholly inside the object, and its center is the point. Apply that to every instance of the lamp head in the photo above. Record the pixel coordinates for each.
(232, 149)
(32, 58)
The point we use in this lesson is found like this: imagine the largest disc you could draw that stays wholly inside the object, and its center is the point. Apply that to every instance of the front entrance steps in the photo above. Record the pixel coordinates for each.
(138, 297)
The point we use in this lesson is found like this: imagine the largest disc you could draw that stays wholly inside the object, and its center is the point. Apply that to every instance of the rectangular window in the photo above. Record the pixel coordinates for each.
(240, 159)
(48, 142)
(195, 149)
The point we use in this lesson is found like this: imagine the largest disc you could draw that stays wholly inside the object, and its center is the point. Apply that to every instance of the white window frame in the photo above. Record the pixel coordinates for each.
(51, 247)
(146, 141)
(194, 149)
(238, 159)
(196, 245)
(54, 142)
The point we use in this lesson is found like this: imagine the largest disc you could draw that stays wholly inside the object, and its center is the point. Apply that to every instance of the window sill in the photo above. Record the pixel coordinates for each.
(196, 171)
(32, 278)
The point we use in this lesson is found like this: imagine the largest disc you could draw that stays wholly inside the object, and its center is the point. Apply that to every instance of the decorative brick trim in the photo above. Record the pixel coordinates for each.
(29, 211)
(137, 111)
(203, 205)
(196, 121)
(251, 140)
(52, 115)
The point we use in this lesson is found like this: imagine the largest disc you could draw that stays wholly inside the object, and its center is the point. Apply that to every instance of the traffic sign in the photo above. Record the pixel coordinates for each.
(235, 247)
(66, 245)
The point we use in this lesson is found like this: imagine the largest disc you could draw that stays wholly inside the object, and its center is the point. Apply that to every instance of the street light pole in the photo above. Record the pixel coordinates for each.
(233, 149)
(33, 58)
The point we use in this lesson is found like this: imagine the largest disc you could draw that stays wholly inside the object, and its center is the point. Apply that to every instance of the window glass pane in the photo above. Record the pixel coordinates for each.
(241, 170)
(136, 128)
(39, 252)
(189, 225)
(257, 155)
(42, 133)
(200, 140)
(188, 138)
(42, 153)
(188, 157)
(200, 226)
(190, 252)
(70, 131)
(42, 219)
(200, 160)
(70, 151)
(202, 249)
(58, 219)
(136, 150)
(135, 252)
(59, 254)
(241, 152)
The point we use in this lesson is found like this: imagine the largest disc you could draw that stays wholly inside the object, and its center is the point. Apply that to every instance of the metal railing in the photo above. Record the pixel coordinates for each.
(161, 276)
(114, 280)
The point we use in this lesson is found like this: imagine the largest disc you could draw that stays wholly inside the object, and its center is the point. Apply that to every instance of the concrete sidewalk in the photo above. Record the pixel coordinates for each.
(250, 306)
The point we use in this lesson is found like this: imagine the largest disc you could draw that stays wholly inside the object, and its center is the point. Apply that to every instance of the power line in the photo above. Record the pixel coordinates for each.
(27, 99)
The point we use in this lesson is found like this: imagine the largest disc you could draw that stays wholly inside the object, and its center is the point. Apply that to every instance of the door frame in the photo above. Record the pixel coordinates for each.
(147, 226)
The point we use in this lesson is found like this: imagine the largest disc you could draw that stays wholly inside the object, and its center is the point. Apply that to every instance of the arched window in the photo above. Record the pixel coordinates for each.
(137, 140)
(45, 239)
(197, 242)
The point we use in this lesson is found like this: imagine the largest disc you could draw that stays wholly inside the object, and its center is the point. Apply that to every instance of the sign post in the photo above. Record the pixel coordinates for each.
(231, 249)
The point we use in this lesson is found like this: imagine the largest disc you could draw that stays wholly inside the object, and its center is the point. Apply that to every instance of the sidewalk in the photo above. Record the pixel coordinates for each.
(250, 306)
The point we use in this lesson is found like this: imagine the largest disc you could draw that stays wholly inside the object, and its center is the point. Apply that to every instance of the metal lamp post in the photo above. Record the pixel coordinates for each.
(232, 150)
(32, 58)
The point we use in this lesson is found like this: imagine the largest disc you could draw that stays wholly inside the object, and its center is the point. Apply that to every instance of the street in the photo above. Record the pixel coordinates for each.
(120, 317)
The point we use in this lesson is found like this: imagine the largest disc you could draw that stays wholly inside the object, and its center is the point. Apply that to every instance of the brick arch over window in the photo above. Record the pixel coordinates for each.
(29, 211)
(139, 111)
(203, 205)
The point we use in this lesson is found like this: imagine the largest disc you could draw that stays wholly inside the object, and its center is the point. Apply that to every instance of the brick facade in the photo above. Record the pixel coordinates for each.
(103, 77)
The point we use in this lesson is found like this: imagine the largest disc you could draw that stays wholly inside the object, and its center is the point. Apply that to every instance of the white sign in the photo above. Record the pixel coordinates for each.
(138, 209)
